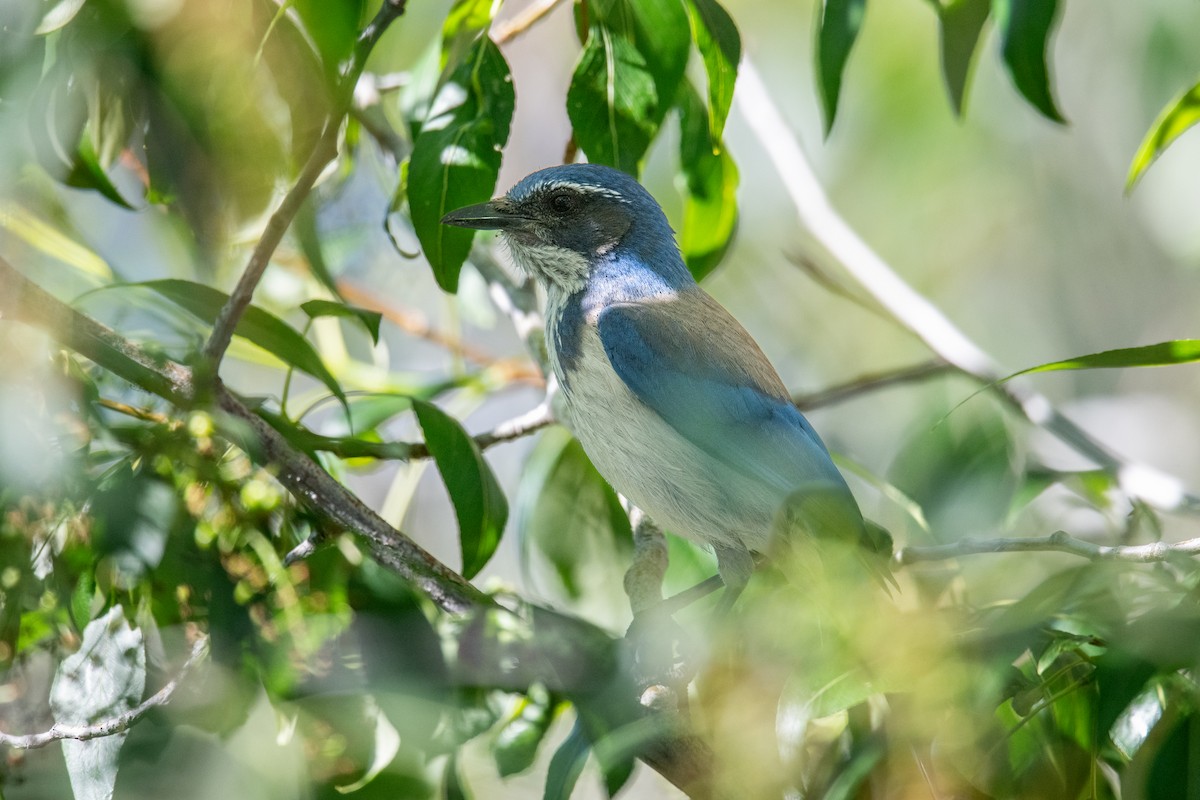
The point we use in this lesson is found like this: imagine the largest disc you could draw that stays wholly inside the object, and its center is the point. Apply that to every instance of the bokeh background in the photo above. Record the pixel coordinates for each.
(1019, 229)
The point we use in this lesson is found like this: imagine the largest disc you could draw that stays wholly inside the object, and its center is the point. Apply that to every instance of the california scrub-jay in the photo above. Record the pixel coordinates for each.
(673, 401)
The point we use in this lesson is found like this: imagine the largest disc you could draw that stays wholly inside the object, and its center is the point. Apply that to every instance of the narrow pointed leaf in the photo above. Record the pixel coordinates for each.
(479, 503)
(962, 22)
(327, 308)
(87, 173)
(567, 764)
(720, 47)
(1025, 28)
(258, 326)
(710, 180)
(1163, 354)
(626, 78)
(839, 27)
(1180, 114)
(456, 157)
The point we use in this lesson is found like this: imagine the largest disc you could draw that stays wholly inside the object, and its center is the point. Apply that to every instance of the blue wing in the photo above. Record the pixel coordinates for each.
(693, 364)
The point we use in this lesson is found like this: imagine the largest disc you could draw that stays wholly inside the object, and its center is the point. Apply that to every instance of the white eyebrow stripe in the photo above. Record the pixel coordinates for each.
(583, 188)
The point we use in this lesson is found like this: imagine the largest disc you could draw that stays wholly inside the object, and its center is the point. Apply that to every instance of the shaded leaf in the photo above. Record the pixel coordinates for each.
(479, 504)
(304, 229)
(456, 157)
(567, 764)
(1180, 114)
(258, 326)
(1163, 354)
(626, 78)
(710, 210)
(327, 308)
(961, 24)
(720, 47)
(517, 743)
(1024, 27)
(839, 27)
(570, 514)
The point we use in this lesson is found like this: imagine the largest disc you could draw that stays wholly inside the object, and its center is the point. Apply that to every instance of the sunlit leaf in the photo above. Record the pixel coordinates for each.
(103, 679)
(57, 17)
(517, 742)
(840, 24)
(52, 241)
(961, 24)
(327, 308)
(710, 183)
(567, 764)
(478, 500)
(626, 78)
(1180, 114)
(1025, 29)
(456, 157)
(720, 47)
(258, 326)
(1163, 354)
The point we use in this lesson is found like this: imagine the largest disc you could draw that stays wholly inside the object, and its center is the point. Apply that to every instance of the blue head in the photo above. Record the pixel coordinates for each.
(562, 222)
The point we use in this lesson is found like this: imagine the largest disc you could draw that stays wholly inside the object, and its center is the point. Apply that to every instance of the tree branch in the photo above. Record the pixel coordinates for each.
(562, 652)
(113, 725)
(23, 300)
(1060, 542)
(915, 312)
(323, 153)
(530, 16)
(870, 383)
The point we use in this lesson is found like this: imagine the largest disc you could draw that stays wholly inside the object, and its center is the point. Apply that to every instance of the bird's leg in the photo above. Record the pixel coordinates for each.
(735, 565)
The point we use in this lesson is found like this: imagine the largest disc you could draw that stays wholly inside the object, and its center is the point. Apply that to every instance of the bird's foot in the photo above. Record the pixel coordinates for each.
(660, 651)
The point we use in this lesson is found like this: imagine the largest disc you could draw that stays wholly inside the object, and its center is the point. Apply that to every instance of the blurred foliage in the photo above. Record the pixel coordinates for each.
(124, 518)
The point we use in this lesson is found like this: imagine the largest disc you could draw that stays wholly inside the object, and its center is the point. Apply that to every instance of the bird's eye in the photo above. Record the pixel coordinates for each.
(563, 202)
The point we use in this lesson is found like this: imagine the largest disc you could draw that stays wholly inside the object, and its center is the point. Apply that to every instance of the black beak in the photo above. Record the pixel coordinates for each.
(489, 216)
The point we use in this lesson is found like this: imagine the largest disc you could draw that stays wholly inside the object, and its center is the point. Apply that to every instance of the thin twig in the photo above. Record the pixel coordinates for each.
(506, 32)
(112, 725)
(323, 153)
(1060, 542)
(915, 312)
(872, 382)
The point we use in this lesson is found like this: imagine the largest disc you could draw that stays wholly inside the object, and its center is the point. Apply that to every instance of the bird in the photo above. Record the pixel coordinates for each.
(671, 398)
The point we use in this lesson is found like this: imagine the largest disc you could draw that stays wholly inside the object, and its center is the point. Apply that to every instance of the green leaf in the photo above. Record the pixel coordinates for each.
(961, 24)
(1163, 354)
(711, 179)
(517, 743)
(304, 229)
(1024, 27)
(456, 157)
(327, 308)
(453, 785)
(1180, 114)
(478, 501)
(567, 764)
(839, 27)
(570, 514)
(258, 326)
(720, 47)
(626, 78)
(87, 173)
